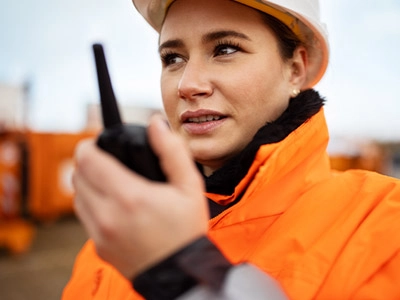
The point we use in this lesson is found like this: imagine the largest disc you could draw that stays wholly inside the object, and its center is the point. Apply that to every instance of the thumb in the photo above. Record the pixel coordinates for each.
(175, 158)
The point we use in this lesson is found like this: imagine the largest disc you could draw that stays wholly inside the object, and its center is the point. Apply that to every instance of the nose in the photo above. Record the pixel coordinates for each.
(195, 82)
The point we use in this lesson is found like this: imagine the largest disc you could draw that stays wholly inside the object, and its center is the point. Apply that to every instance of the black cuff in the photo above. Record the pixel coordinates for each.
(198, 263)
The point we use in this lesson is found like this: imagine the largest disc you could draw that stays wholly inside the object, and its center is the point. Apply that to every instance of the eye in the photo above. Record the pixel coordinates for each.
(226, 48)
(170, 58)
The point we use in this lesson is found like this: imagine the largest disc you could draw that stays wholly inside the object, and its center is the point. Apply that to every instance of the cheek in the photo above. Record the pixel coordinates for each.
(169, 99)
(268, 91)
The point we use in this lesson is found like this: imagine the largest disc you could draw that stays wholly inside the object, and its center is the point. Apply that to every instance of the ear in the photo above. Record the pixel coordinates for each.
(298, 67)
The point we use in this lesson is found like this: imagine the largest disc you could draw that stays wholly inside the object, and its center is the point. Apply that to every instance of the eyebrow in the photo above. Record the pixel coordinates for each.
(170, 44)
(209, 37)
(212, 36)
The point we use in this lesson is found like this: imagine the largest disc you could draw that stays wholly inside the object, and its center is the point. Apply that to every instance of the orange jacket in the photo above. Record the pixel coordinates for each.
(321, 234)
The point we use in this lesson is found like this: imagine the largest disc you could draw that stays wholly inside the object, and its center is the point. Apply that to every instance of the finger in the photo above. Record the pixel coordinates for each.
(175, 158)
(94, 209)
(83, 204)
(104, 172)
(84, 192)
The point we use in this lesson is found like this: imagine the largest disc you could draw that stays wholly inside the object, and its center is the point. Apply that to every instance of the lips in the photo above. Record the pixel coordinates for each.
(202, 122)
(202, 119)
(201, 116)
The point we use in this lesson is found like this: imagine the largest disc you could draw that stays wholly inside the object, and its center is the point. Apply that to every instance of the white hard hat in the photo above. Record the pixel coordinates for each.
(301, 16)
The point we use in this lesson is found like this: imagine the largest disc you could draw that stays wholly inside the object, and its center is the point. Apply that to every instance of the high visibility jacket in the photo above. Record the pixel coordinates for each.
(320, 234)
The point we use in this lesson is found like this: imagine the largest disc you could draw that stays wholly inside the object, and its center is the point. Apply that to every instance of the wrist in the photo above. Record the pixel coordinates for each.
(200, 262)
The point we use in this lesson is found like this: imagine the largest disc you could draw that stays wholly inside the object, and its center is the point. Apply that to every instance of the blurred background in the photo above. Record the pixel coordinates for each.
(49, 101)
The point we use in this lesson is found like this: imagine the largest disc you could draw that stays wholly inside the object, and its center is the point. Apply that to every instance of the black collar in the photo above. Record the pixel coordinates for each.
(300, 109)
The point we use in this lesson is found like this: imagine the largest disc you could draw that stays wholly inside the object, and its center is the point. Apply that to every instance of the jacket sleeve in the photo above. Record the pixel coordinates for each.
(200, 271)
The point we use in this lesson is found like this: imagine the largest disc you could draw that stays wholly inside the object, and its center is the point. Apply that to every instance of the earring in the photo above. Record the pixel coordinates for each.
(295, 93)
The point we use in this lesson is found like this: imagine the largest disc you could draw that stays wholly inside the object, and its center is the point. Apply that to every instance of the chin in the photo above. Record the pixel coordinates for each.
(209, 157)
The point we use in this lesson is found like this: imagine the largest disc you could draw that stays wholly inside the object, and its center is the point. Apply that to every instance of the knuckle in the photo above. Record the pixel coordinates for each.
(75, 180)
(82, 154)
(77, 205)
(107, 228)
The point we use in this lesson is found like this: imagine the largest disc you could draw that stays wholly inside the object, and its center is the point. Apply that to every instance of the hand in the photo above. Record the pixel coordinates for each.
(135, 222)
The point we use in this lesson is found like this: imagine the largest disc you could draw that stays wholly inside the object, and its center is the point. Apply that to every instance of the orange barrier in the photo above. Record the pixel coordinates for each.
(10, 175)
(50, 166)
(47, 194)
(343, 163)
(16, 234)
(371, 157)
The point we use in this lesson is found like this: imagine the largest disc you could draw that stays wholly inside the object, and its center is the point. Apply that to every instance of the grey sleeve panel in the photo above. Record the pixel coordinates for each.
(242, 282)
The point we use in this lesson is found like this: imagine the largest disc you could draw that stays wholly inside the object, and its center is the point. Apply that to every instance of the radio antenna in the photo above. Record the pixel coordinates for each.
(109, 108)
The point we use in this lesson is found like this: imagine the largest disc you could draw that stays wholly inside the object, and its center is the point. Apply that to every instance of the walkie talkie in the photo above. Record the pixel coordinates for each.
(127, 142)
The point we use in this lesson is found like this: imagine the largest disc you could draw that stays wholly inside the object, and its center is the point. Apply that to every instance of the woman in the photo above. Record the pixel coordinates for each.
(236, 86)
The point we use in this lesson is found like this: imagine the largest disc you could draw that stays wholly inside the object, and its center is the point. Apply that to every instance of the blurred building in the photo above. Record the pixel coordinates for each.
(129, 114)
(392, 150)
(380, 157)
(12, 107)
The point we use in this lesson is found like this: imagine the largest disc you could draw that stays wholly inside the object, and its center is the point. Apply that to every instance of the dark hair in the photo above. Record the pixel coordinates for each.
(288, 41)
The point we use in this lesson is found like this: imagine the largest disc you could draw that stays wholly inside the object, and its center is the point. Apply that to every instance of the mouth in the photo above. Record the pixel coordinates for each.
(203, 119)
(201, 116)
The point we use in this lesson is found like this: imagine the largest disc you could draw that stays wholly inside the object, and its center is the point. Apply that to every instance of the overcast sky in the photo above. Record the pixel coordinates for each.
(48, 43)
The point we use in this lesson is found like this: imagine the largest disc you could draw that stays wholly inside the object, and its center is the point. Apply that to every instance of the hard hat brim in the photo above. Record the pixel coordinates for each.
(304, 24)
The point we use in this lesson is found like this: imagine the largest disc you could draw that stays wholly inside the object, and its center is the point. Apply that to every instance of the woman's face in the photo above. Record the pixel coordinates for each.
(222, 77)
